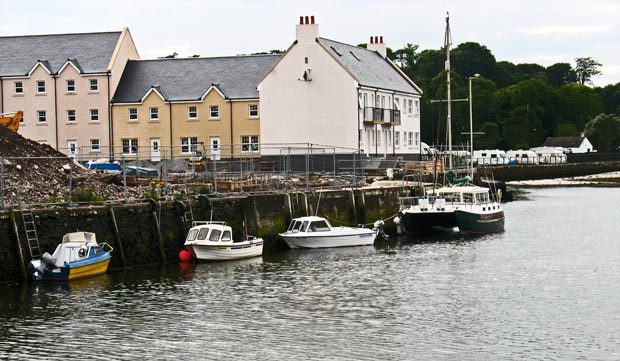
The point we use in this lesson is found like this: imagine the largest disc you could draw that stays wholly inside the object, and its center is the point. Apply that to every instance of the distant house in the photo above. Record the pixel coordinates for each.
(175, 107)
(573, 144)
(324, 92)
(63, 84)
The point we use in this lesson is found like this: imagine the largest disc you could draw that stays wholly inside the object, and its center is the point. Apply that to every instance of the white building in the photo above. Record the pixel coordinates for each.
(323, 92)
(573, 144)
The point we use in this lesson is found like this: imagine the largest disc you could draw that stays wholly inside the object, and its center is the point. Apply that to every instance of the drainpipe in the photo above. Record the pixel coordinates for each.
(1, 96)
(373, 120)
(392, 124)
(359, 138)
(110, 120)
(56, 109)
(231, 129)
(170, 116)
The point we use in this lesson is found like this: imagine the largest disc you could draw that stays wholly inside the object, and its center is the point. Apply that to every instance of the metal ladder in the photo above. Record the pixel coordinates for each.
(189, 213)
(25, 208)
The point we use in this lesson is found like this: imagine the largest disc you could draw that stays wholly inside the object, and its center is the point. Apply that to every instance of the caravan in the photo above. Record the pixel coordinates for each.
(523, 156)
(550, 155)
(490, 156)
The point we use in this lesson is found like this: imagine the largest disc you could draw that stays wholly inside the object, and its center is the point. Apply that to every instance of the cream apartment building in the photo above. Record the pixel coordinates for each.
(171, 108)
(63, 83)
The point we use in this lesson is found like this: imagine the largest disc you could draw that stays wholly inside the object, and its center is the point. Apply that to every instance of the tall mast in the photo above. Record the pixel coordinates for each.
(447, 43)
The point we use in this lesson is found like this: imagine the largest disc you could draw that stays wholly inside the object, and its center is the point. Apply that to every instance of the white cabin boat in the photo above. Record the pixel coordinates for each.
(317, 232)
(213, 241)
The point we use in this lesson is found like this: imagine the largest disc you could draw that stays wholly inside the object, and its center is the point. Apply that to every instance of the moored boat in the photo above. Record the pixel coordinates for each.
(213, 241)
(78, 256)
(317, 232)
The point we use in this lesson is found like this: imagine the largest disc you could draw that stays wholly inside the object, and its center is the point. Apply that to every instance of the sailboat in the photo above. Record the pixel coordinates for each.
(459, 205)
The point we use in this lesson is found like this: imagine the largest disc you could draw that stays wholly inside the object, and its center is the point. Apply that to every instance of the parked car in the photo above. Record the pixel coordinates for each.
(140, 172)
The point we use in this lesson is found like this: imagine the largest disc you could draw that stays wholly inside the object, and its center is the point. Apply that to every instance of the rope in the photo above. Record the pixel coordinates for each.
(365, 224)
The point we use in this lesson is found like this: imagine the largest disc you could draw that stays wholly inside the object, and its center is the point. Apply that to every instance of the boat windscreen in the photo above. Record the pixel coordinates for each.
(191, 235)
(294, 226)
(215, 235)
(319, 226)
(202, 235)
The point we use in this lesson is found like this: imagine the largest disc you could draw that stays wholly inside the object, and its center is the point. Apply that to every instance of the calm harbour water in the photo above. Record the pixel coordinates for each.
(547, 288)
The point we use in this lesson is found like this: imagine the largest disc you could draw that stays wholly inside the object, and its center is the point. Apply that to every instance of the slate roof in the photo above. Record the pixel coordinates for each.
(368, 67)
(93, 51)
(188, 79)
(565, 142)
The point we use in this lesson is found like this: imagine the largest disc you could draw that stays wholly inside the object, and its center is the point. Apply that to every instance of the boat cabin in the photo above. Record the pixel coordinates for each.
(211, 232)
(309, 224)
(75, 246)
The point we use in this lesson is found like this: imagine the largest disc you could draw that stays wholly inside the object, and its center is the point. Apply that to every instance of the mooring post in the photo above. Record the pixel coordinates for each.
(118, 237)
(159, 238)
(20, 254)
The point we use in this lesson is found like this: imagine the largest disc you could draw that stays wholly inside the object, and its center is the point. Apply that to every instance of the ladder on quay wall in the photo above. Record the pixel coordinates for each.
(25, 208)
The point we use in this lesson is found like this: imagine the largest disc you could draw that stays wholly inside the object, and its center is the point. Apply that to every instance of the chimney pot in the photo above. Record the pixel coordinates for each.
(307, 22)
(312, 19)
(381, 39)
(371, 40)
(301, 20)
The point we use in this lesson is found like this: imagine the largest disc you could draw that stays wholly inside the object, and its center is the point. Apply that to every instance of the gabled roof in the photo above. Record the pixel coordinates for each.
(92, 50)
(369, 68)
(566, 142)
(189, 79)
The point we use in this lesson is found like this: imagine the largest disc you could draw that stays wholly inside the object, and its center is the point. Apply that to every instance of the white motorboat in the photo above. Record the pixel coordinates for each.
(213, 241)
(317, 232)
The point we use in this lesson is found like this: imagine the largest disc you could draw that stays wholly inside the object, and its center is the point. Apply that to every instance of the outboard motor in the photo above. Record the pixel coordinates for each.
(378, 226)
(47, 262)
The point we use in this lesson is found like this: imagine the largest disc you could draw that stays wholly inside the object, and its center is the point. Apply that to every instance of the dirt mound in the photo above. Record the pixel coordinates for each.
(46, 173)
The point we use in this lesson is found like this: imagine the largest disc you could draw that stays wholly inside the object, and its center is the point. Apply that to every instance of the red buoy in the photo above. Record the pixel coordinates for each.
(185, 256)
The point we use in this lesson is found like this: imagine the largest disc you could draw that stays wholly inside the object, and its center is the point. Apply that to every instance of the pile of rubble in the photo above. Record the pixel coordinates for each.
(46, 174)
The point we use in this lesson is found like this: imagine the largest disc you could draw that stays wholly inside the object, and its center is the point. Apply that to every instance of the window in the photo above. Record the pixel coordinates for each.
(94, 115)
(94, 145)
(378, 137)
(41, 86)
(397, 138)
(71, 116)
(253, 110)
(189, 145)
(154, 113)
(417, 106)
(19, 87)
(409, 109)
(410, 139)
(396, 103)
(70, 86)
(417, 138)
(93, 85)
(215, 111)
(133, 114)
(42, 116)
(249, 143)
(130, 146)
(192, 112)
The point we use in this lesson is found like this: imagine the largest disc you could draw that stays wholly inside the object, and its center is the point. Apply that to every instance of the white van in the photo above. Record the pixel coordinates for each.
(550, 155)
(490, 156)
(523, 156)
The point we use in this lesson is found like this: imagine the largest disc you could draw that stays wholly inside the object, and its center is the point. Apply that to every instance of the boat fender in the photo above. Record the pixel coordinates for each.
(499, 194)
(179, 208)
(397, 219)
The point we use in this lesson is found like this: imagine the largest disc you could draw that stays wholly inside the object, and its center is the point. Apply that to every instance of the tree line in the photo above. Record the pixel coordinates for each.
(515, 106)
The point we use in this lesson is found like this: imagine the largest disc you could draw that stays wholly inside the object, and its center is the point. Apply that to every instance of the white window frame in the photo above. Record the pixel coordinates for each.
(41, 114)
(71, 116)
(250, 110)
(94, 115)
(189, 145)
(249, 143)
(19, 88)
(416, 107)
(378, 137)
(410, 106)
(397, 138)
(131, 118)
(192, 112)
(93, 85)
(40, 86)
(95, 145)
(71, 86)
(410, 139)
(416, 138)
(214, 112)
(154, 113)
(131, 145)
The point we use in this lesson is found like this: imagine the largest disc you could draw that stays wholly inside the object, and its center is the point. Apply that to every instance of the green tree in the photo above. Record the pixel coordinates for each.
(604, 131)
(171, 56)
(491, 137)
(586, 68)
(559, 74)
(610, 95)
(406, 57)
(578, 104)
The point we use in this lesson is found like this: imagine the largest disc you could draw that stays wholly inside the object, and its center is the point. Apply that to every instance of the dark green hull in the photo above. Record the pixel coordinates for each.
(424, 222)
(476, 223)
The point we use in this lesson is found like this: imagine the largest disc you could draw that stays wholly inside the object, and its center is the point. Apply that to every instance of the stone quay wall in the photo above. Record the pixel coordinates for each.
(152, 232)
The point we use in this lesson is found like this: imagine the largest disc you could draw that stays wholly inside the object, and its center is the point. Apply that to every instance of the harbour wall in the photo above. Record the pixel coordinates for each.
(546, 171)
(150, 233)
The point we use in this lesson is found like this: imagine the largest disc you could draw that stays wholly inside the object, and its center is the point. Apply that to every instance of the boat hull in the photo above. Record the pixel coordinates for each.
(427, 221)
(365, 237)
(227, 252)
(479, 222)
(74, 270)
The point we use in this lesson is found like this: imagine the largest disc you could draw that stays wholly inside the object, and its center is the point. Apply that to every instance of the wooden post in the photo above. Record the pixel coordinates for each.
(118, 237)
(22, 266)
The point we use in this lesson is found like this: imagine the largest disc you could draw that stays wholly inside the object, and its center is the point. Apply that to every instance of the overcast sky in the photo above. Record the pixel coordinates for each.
(520, 31)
